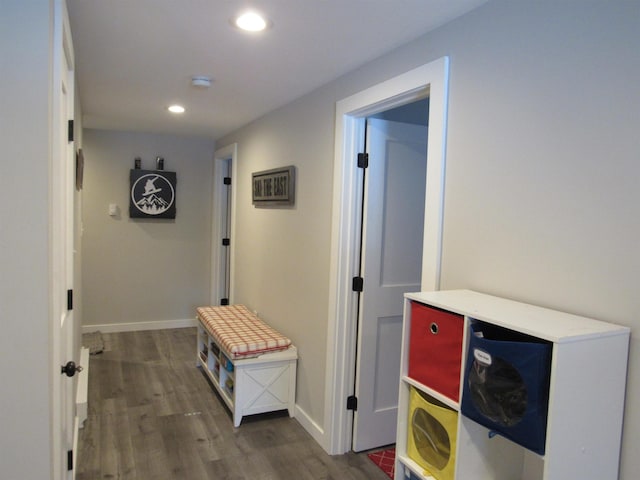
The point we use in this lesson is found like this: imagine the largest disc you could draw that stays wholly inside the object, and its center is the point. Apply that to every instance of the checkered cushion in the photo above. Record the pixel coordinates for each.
(240, 332)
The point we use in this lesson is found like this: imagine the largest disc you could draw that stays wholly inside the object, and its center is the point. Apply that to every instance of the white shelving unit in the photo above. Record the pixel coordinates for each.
(585, 404)
(265, 383)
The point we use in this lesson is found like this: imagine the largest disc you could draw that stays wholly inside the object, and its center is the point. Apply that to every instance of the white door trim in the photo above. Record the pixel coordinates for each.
(428, 80)
(61, 215)
(219, 172)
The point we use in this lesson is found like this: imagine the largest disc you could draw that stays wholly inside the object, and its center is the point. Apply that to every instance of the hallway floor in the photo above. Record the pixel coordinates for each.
(153, 415)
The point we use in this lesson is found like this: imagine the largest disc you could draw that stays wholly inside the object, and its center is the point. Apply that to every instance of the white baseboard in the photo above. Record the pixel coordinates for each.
(311, 427)
(138, 326)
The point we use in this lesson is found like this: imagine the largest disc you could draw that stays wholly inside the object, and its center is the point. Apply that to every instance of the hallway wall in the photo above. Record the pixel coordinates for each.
(144, 270)
(282, 265)
(25, 141)
(541, 197)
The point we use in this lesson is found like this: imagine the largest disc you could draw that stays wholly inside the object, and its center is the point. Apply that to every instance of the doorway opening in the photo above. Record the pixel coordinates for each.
(390, 251)
(430, 80)
(223, 225)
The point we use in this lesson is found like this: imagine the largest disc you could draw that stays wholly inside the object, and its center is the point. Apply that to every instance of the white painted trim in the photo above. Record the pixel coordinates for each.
(436, 163)
(222, 154)
(61, 233)
(140, 326)
(309, 425)
(428, 80)
(76, 439)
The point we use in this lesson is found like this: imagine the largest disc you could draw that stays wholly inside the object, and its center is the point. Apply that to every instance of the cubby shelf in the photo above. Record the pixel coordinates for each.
(586, 389)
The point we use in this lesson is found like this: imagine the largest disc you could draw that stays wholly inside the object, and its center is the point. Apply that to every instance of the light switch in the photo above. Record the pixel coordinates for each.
(113, 209)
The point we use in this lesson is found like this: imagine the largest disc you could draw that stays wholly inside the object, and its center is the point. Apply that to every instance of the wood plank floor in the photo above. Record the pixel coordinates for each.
(153, 415)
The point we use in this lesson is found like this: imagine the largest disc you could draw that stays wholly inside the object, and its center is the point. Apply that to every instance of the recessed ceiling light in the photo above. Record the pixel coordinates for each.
(250, 22)
(176, 109)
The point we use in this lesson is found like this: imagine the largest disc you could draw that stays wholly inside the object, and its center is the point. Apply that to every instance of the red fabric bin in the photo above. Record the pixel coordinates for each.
(435, 349)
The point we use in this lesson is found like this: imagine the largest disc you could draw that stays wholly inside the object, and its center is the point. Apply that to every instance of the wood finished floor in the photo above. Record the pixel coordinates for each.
(154, 416)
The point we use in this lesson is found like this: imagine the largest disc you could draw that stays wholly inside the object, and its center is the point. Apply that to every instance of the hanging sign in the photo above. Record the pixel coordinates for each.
(274, 187)
(153, 194)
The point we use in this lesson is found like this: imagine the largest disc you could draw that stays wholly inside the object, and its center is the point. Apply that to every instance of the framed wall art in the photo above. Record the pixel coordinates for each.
(153, 194)
(274, 187)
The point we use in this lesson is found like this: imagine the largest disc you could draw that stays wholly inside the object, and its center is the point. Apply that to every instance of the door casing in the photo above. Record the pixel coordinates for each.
(221, 159)
(429, 80)
(61, 244)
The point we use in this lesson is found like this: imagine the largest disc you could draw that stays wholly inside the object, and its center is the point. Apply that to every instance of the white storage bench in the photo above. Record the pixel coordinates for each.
(251, 365)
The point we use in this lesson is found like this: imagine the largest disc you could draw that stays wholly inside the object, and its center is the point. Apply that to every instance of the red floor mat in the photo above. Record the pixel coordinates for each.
(385, 459)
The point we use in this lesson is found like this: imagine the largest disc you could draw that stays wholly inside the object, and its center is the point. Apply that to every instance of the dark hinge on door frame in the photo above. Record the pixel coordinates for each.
(227, 180)
(363, 160)
(70, 131)
(69, 299)
(357, 284)
(226, 242)
(69, 460)
(224, 301)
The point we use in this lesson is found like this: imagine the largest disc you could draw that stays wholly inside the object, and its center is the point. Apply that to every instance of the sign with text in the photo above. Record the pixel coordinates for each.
(274, 187)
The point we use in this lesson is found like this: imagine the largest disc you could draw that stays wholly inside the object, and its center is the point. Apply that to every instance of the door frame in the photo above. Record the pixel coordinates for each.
(61, 240)
(430, 80)
(220, 156)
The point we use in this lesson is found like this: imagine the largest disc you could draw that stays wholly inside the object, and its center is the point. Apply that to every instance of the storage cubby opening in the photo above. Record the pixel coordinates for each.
(432, 434)
(499, 333)
(506, 383)
(435, 349)
(494, 457)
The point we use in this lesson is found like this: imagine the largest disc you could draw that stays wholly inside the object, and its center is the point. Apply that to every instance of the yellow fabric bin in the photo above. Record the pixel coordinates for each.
(432, 433)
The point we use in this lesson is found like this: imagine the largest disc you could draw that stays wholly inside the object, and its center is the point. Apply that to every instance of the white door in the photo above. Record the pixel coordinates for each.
(222, 226)
(393, 225)
(62, 194)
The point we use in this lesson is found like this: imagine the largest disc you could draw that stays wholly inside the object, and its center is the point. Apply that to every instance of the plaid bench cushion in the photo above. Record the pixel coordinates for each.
(240, 332)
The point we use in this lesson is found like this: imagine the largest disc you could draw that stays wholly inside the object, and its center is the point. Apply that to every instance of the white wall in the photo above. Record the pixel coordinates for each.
(282, 254)
(541, 202)
(144, 270)
(25, 85)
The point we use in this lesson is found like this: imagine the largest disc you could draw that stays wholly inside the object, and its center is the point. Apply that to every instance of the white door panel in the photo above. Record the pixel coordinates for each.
(62, 244)
(393, 227)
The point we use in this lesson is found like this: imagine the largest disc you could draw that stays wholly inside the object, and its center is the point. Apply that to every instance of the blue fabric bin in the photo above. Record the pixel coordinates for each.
(506, 387)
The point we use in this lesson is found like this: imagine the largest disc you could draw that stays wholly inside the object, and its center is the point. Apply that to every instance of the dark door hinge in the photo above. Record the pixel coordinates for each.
(224, 301)
(358, 284)
(69, 299)
(352, 403)
(69, 460)
(70, 131)
(227, 180)
(226, 242)
(363, 160)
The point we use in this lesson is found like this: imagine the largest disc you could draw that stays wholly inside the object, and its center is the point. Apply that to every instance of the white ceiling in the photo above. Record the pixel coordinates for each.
(136, 57)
